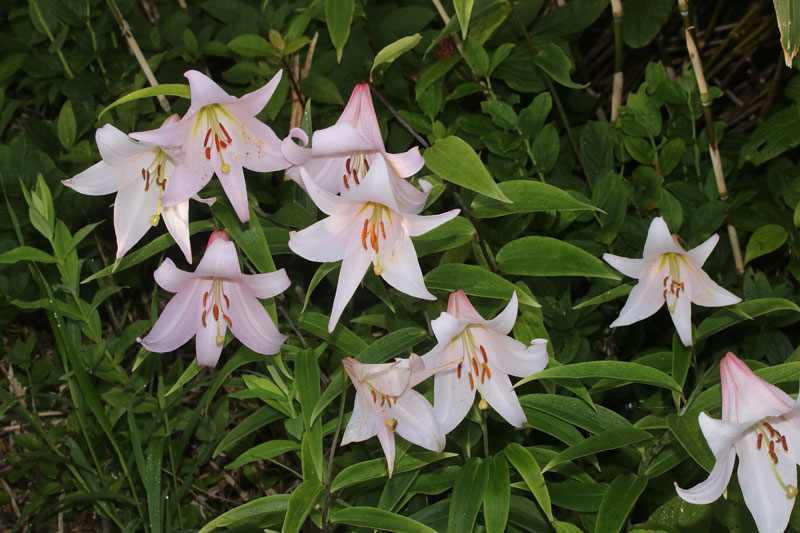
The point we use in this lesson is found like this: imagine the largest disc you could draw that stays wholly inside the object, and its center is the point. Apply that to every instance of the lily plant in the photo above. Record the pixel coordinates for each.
(220, 135)
(139, 173)
(386, 404)
(669, 274)
(478, 355)
(761, 426)
(212, 299)
(366, 225)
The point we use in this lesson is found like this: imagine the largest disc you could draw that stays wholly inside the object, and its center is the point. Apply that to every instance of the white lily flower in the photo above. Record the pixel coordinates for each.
(479, 355)
(761, 425)
(669, 274)
(366, 225)
(386, 404)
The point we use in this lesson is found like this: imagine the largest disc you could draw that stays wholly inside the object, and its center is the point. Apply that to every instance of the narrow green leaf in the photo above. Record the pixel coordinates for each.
(301, 502)
(252, 510)
(467, 496)
(453, 234)
(618, 502)
(66, 126)
(191, 371)
(338, 17)
(25, 253)
(255, 421)
(463, 13)
(392, 51)
(531, 473)
(263, 451)
(619, 370)
(546, 256)
(376, 468)
(497, 497)
(166, 89)
(611, 439)
(370, 517)
(152, 483)
(322, 271)
(475, 281)
(749, 310)
(764, 240)
(528, 196)
(453, 160)
(574, 411)
(604, 297)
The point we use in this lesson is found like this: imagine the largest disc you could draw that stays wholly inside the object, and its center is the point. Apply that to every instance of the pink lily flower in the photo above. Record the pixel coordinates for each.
(386, 404)
(366, 225)
(761, 425)
(220, 135)
(480, 355)
(669, 274)
(139, 174)
(213, 298)
(341, 155)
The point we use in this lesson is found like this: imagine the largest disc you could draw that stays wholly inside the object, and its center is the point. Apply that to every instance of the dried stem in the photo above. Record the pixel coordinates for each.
(616, 94)
(125, 28)
(713, 147)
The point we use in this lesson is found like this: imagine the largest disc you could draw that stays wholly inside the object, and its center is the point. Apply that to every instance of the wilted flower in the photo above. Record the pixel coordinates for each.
(139, 173)
(385, 404)
(760, 424)
(668, 273)
(213, 298)
(220, 134)
(366, 225)
(480, 355)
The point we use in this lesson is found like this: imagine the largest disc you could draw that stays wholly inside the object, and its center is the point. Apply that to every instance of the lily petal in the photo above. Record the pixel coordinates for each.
(644, 299)
(720, 435)
(253, 102)
(681, 313)
(375, 187)
(511, 356)
(171, 278)
(116, 147)
(503, 323)
(250, 322)
(407, 163)
(210, 340)
(417, 225)
(178, 321)
(354, 266)
(707, 292)
(628, 266)
(452, 396)
(712, 488)
(360, 427)
(386, 438)
(360, 112)
(325, 201)
(168, 135)
(204, 91)
(100, 179)
(401, 270)
(446, 327)
(500, 394)
(322, 241)
(258, 146)
(409, 198)
(236, 190)
(220, 260)
(133, 215)
(761, 399)
(295, 147)
(188, 179)
(460, 307)
(416, 422)
(659, 239)
(701, 253)
(340, 139)
(176, 218)
(267, 285)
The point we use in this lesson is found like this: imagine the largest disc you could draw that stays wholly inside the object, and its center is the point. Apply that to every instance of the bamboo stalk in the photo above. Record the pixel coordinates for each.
(713, 147)
(616, 93)
(133, 44)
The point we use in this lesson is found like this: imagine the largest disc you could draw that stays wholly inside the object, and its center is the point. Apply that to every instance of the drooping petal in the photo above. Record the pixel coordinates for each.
(134, 209)
(188, 178)
(390, 379)
(503, 323)
(295, 147)
(257, 146)
(644, 300)
(767, 501)
(253, 102)
(417, 225)
(339, 140)
(721, 435)
(452, 398)
(176, 218)
(170, 134)
(178, 321)
(406, 164)
(171, 278)
(401, 270)
(210, 340)
(220, 260)
(326, 172)
(324, 241)
(498, 391)
(681, 313)
(360, 112)
(236, 190)
(375, 187)
(699, 254)
(446, 327)
(711, 489)
(117, 148)
(628, 266)
(325, 201)
(659, 240)
(354, 266)
(267, 285)
(460, 307)
(386, 438)
(250, 322)
(416, 422)
(360, 427)
(204, 91)
(409, 198)
(100, 179)
(746, 398)
(511, 356)
(707, 292)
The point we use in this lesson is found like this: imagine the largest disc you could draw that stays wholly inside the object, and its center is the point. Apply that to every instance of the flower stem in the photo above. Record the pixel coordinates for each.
(329, 472)
(485, 431)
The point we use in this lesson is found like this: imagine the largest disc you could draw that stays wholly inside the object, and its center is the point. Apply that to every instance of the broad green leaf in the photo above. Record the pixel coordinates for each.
(528, 196)
(556, 63)
(749, 310)
(619, 370)
(533, 117)
(453, 160)
(467, 497)
(787, 12)
(643, 20)
(252, 510)
(681, 359)
(152, 483)
(396, 488)
(449, 235)
(263, 451)
(497, 497)
(610, 439)
(302, 500)
(544, 149)
(619, 291)
(764, 240)
(166, 89)
(475, 281)
(66, 126)
(342, 338)
(376, 468)
(546, 256)
(254, 421)
(772, 137)
(338, 17)
(380, 519)
(618, 502)
(251, 45)
(323, 270)
(574, 411)
(463, 10)
(392, 51)
(531, 473)
(25, 253)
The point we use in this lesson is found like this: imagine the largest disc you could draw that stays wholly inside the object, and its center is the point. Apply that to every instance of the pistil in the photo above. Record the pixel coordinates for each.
(219, 304)
(216, 135)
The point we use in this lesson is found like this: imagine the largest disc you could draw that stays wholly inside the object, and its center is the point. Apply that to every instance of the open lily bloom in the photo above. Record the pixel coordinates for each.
(220, 134)
(341, 155)
(480, 355)
(365, 225)
(386, 404)
(139, 173)
(668, 273)
(213, 298)
(761, 425)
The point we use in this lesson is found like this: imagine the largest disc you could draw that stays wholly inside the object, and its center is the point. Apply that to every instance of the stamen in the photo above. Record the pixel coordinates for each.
(383, 230)
(758, 441)
(391, 424)
(228, 320)
(771, 429)
(208, 153)
(475, 365)
(488, 372)
(458, 370)
(347, 165)
(215, 310)
(203, 317)
(225, 132)
(373, 238)
(374, 396)
(772, 454)
(471, 381)
(364, 233)
(208, 135)
(205, 299)
(784, 443)
(355, 177)
(344, 179)
(483, 352)
(227, 301)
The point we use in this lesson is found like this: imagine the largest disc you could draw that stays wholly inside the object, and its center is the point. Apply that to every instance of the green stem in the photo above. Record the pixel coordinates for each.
(329, 471)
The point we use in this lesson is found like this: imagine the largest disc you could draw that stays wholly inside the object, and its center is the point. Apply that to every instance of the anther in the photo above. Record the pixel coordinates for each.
(784, 443)
(203, 318)
(344, 179)
(772, 454)
(771, 429)
(383, 230)
(347, 165)
(758, 440)
(364, 233)
(205, 299)
(374, 396)
(208, 135)
(225, 132)
(227, 301)
(471, 381)
(215, 309)
(373, 238)
(483, 353)
(475, 365)
(208, 152)
(228, 320)
(458, 370)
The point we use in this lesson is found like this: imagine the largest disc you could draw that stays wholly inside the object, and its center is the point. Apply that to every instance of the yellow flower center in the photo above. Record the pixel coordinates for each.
(154, 176)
